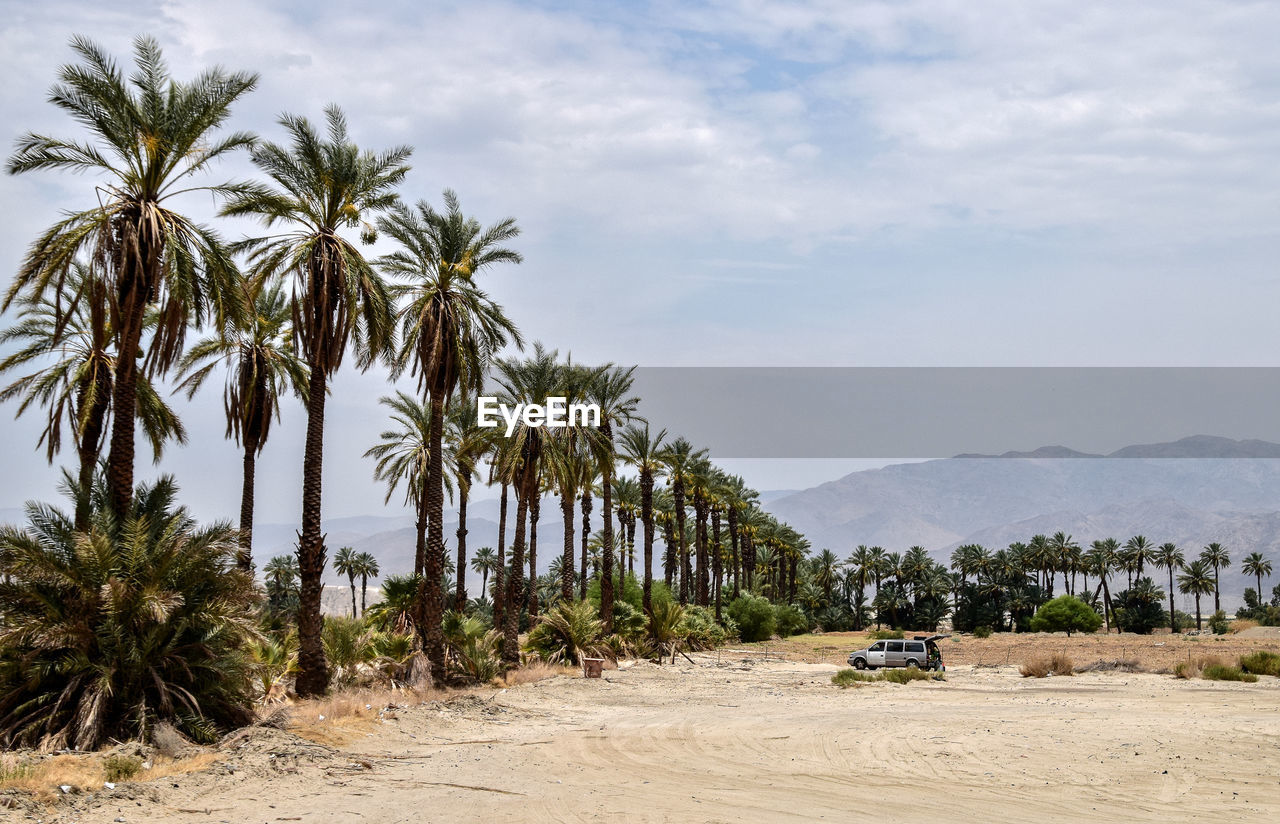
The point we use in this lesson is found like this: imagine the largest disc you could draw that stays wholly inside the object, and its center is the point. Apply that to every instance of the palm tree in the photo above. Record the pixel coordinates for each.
(262, 365)
(1196, 581)
(825, 576)
(1067, 553)
(1138, 551)
(467, 445)
(75, 386)
(1170, 557)
(1216, 556)
(402, 455)
(610, 390)
(322, 185)
(450, 331)
(345, 563)
(678, 462)
(139, 619)
(366, 567)
(150, 134)
(519, 462)
(1257, 565)
(1103, 556)
(483, 562)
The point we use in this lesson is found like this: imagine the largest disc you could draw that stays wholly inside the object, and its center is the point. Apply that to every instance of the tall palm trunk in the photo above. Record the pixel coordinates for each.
(733, 548)
(244, 557)
(606, 552)
(90, 440)
(460, 593)
(515, 584)
(1198, 625)
(677, 495)
(566, 560)
(535, 511)
(313, 670)
(500, 571)
(646, 518)
(631, 545)
(586, 539)
(364, 592)
(1173, 619)
(715, 558)
(430, 597)
(139, 249)
(351, 580)
(700, 542)
(1217, 601)
(670, 558)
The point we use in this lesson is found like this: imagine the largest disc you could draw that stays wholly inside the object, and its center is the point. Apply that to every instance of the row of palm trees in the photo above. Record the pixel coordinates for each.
(727, 541)
(113, 290)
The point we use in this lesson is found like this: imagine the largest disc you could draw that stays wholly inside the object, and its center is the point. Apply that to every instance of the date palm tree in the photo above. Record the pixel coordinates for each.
(345, 563)
(466, 446)
(1217, 557)
(261, 366)
(322, 185)
(75, 386)
(610, 390)
(366, 567)
(646, 452)
(401, 455)
(1171, 558)
(1257, 565)
(484, 561)
(450, 330)
(1138, 550)
(1104, 555)
(1197, 581)
(150, 136)
(678, 462)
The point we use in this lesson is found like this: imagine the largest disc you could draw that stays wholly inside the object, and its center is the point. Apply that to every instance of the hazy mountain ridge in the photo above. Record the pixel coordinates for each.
(1183, 492)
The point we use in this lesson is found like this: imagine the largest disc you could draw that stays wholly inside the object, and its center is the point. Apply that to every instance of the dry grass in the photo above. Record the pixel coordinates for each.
(1194, 666)
(43, 778)
(539, 671)
(1241, 624)
(1056, 664)
(338, 718)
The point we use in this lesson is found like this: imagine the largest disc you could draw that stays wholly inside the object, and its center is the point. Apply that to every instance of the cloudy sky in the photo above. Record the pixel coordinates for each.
(749, 183)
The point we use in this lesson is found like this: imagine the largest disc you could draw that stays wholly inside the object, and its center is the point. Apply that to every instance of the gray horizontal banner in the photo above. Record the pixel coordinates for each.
(925, 412)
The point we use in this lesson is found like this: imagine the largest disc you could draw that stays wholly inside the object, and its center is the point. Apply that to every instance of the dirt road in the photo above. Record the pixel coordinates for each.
(763, 742)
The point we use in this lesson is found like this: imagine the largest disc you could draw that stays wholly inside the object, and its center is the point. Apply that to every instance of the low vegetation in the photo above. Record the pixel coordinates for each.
(852, 678)
(1056, 664)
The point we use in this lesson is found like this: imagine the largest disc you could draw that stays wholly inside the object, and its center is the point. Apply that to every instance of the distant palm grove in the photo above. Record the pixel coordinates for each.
(121, 611)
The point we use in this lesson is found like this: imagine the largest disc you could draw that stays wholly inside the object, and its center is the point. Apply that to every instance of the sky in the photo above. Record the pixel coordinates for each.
(746, 183)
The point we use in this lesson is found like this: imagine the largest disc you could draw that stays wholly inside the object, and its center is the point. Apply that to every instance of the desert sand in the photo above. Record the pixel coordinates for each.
(727, 739)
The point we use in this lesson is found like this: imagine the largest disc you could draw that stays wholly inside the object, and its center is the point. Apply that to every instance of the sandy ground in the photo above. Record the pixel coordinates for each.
(732, 740)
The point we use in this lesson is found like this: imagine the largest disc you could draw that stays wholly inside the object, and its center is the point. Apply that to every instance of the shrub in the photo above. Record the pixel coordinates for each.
(1219, 624)
(789, 620)
(982, 632)
(852, 678)
(1067, 614)
(139, 619)
(885, 635)
(121, 767)
(348, 646)
(700, 630)
(1056, 664)
(1261, 663)
(1141, 609)
(566, 633)
(1219, 672)
(755, 617)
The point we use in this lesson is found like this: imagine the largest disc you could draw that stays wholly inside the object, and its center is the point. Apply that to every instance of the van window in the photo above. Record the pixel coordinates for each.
(876, 647)
(915, 646)
(895, 646)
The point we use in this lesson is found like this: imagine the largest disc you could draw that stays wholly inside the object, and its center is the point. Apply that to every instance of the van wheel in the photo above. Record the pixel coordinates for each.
(860, 663)
(913, 663)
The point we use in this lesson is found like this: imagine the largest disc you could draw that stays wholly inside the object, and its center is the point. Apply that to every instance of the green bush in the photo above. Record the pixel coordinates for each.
(789, 621)
(121, 767)
(1218, 672)
(700, 629)
(852, 678)
(885, 635)
(1218, 623)
(1261, 663)
(139, 619)
(1065, 614)
(982, 632)
(567, 632)
(755, 617)
(631, 591)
